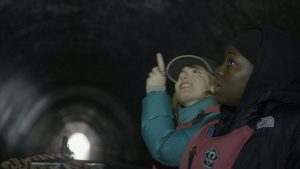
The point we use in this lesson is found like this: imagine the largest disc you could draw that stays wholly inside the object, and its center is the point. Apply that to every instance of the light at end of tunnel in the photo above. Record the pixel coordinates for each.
(80, 146)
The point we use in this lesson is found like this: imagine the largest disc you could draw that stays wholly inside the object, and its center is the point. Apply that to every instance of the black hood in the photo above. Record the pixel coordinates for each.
(275, 78)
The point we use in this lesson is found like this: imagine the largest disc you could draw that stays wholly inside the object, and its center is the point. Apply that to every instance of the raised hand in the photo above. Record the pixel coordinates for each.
(157, 77)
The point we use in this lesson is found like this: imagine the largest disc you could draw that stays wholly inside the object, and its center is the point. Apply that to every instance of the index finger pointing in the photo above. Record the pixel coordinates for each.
(160, 62)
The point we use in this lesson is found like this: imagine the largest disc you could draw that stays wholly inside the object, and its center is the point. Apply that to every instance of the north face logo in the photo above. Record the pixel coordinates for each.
(266, 122)
(211, 157)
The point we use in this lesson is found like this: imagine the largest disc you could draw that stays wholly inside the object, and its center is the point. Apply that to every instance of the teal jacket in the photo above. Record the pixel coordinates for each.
(164, 142)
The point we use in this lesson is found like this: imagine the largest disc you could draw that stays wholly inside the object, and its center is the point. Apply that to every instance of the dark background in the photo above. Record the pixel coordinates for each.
(83, 63)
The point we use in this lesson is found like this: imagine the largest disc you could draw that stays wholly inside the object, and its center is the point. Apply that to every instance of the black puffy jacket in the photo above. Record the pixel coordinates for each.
(271, 105)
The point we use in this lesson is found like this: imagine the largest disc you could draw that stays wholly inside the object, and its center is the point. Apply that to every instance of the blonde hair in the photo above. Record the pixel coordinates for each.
(208, 93)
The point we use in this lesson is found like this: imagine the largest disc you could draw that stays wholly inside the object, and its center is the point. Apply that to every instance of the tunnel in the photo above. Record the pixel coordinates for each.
(78, 68)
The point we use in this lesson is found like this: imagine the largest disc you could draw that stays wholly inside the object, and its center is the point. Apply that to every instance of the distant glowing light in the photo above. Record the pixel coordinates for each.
(80, 145)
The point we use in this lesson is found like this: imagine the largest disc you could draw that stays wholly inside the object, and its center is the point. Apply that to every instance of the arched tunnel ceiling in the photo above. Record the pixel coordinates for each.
(49, 46)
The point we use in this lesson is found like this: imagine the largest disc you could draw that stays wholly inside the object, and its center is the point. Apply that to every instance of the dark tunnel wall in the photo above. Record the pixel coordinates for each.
(85, 62)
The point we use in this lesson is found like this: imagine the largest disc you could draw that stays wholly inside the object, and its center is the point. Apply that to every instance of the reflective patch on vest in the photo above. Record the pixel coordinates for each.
(211, 157)
(266, 122)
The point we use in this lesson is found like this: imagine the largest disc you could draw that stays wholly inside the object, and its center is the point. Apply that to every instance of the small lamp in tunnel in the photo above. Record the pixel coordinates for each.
(80, 145)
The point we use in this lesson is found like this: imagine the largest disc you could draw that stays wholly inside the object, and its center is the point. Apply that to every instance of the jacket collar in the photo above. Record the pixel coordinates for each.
(186, 114)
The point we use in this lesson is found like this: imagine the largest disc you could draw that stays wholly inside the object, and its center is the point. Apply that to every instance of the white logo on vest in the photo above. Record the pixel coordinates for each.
(266, 122)
(211, 157)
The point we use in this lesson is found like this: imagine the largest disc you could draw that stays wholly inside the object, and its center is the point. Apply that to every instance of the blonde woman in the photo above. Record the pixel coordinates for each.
(166, 135)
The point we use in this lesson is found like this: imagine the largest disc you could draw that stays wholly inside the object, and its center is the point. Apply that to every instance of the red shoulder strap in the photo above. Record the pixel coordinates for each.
(211, 109)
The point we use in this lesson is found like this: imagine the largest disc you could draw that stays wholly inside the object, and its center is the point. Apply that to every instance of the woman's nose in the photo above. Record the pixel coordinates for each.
(219, 71)
(182, 75)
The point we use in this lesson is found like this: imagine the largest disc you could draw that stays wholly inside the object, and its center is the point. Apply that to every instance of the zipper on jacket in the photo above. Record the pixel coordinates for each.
(191, 156)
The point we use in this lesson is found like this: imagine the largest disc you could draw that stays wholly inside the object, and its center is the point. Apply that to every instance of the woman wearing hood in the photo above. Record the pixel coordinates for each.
(258, 87)
(166, 134)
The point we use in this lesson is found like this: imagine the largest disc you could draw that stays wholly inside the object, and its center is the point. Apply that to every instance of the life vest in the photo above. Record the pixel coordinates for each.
(157, 165)
(206, 152)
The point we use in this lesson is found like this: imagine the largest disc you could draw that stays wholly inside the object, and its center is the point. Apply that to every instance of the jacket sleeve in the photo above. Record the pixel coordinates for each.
(165, 144)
